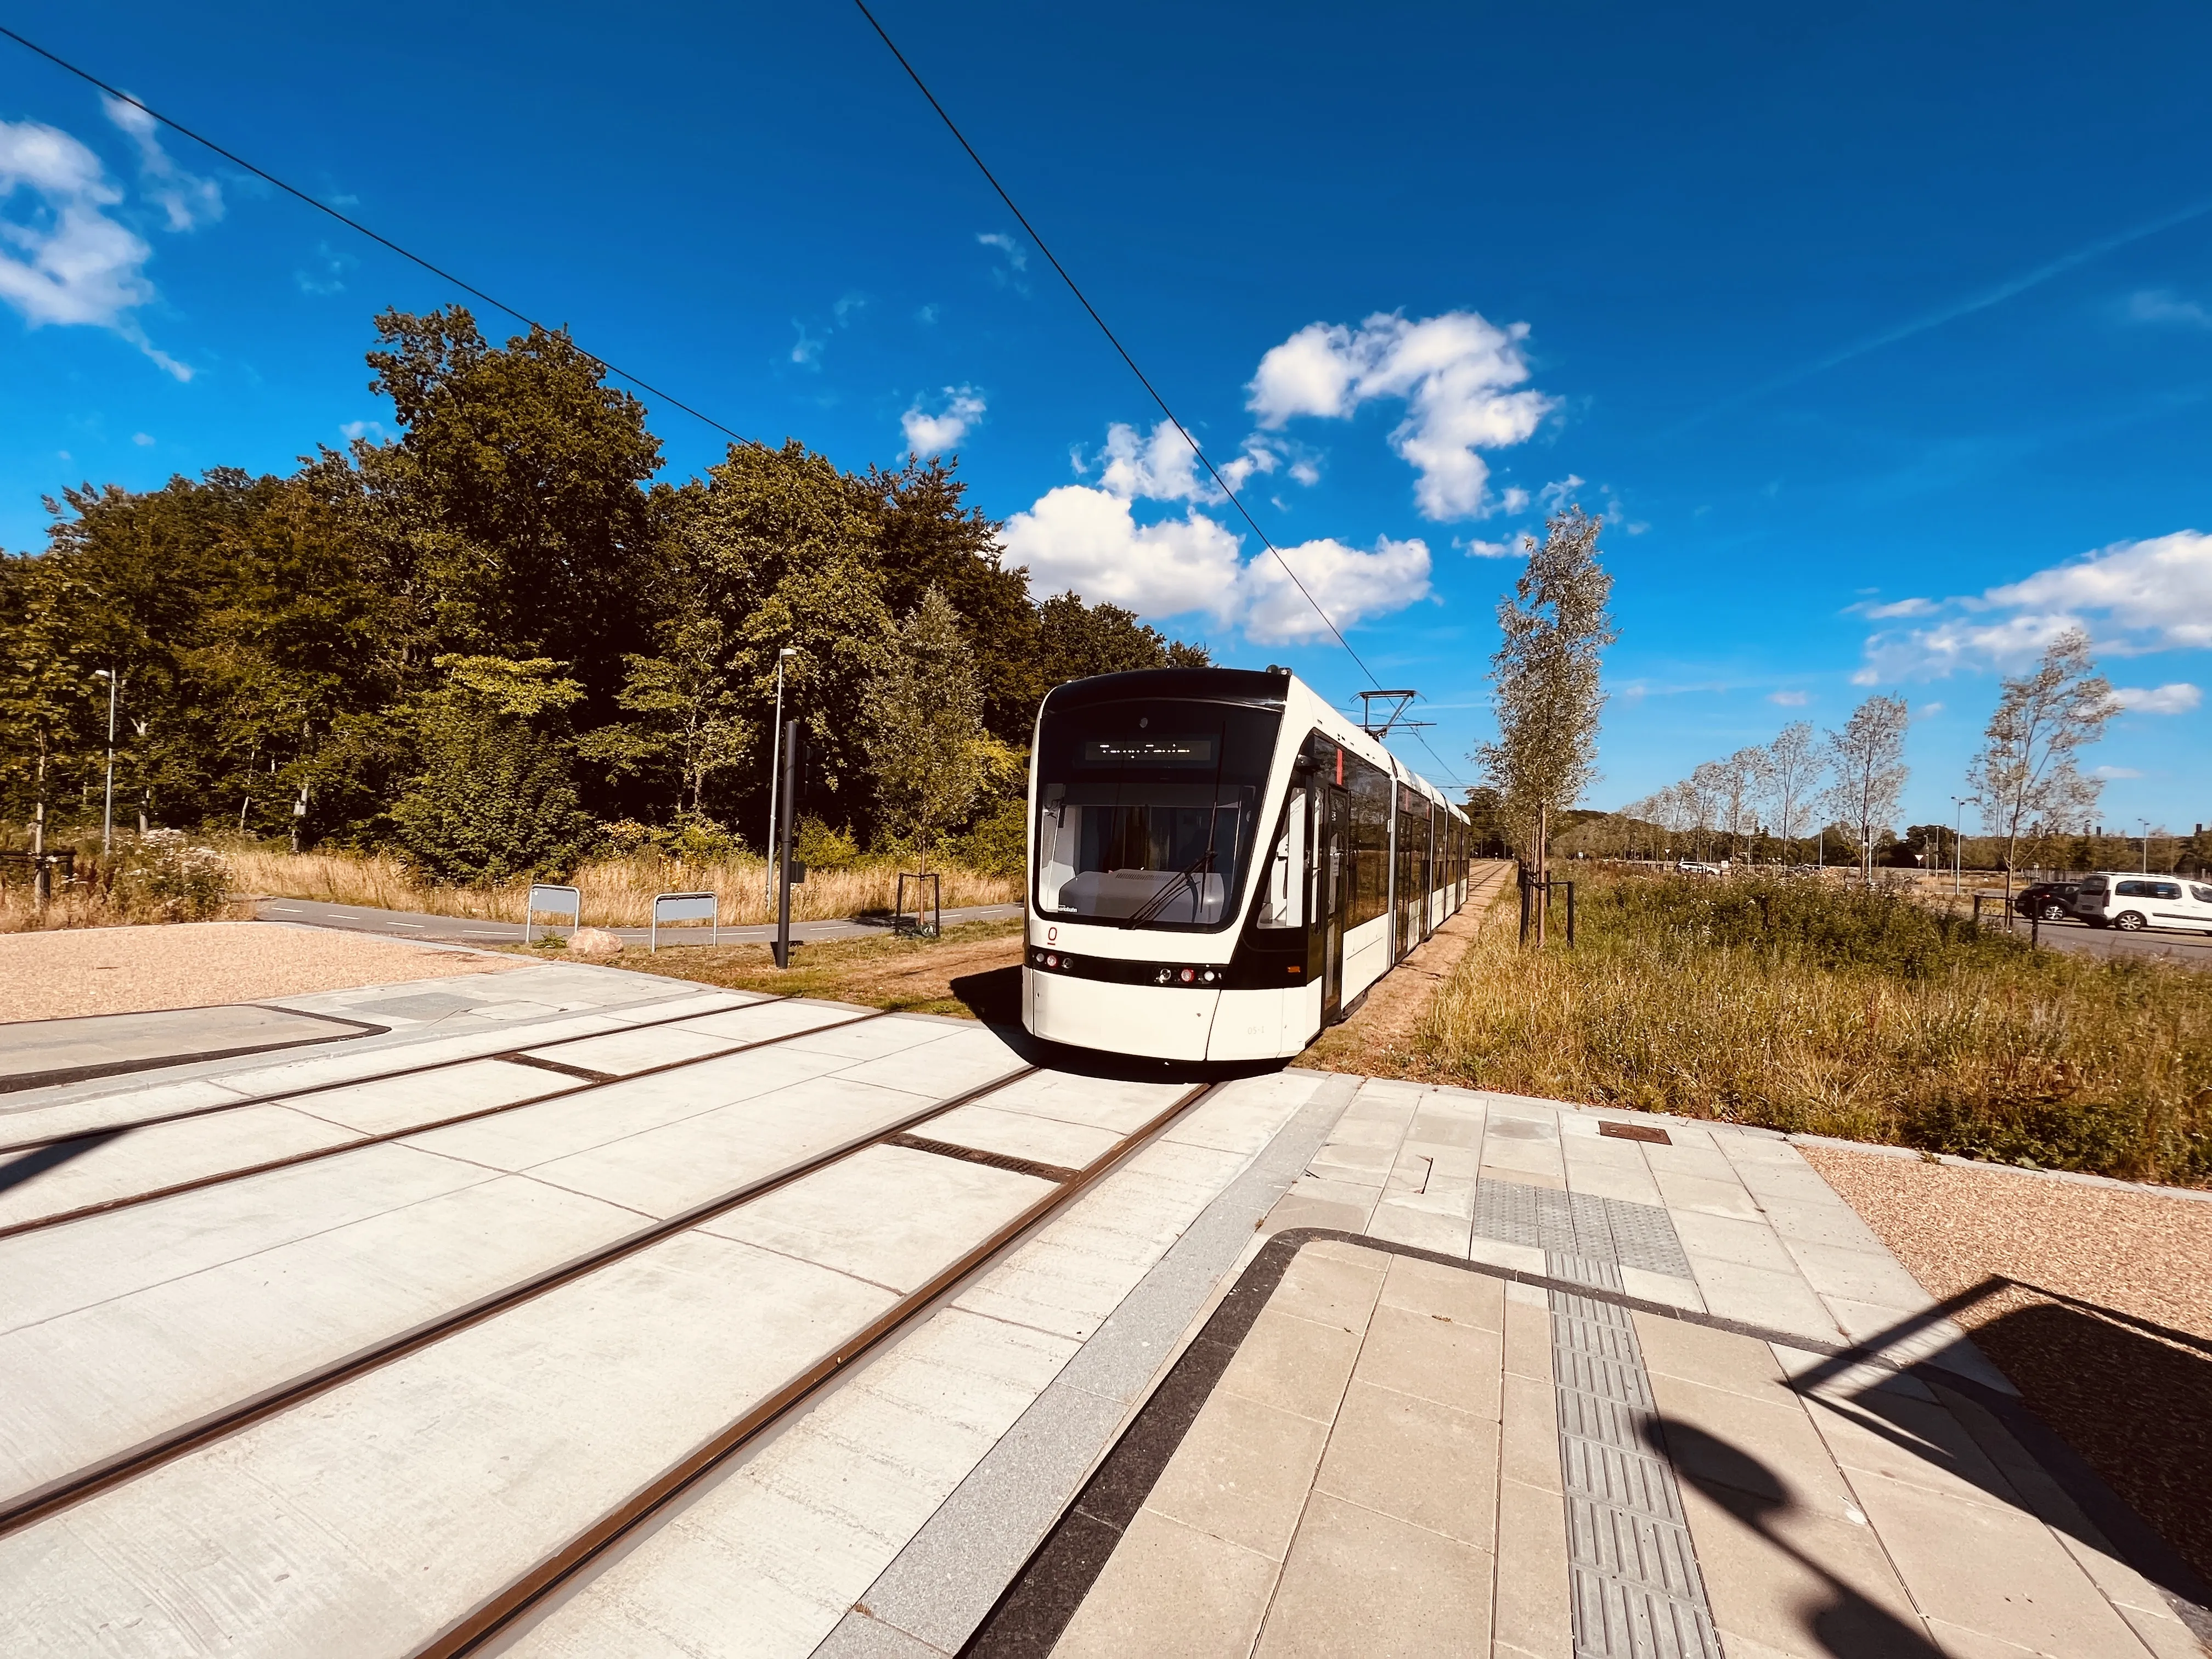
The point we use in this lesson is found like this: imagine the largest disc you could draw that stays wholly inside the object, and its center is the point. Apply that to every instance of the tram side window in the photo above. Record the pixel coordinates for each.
(1282, 897)
(1369, 788)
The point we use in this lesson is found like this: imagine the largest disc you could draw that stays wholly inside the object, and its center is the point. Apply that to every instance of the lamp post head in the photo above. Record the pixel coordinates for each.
(789, 651)
(102, 674)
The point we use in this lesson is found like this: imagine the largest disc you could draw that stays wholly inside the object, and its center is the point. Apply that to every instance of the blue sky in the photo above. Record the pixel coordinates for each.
(1884, 341)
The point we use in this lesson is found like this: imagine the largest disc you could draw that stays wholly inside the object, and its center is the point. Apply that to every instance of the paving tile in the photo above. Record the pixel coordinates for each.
(1696, 1193)
(1293, 1365)
(90, 1383)
(639, 1361)
(1817, 1376)
(1631, 1183)
(667, 1170)
(164, 1154)
(1447, 1127)
(1682, 1160)
(767, 1560)
(1768, 1448)
(1778, 1301)
(1423, 1228)
(1464, 1298)
(620, 1053)
(1993, 1570)
(759, 1021)
(1826, 1221)
(866, 1039)
(1712, 1359)
(1869, 1276)
(1416, 1460)
(886, 1214)
(1366, 1585)
(952, 1064)
(1662, 1288)
(1519, 1258)
(1171, 1591)
(1365, 1166)
(1917, 1442)
(1454, 1364)
(1531, 1613)
(400, 1103)
(1904, 1338)
(1807, 1586)
(1330, 1283)
(1528, 1334)
(80, 1264)
(1381, 1134)
(1529, 1443)
(1523, 1159)
(1731, 1238)
(1018, 1134)
(1783, 1181)
(1241, 1474)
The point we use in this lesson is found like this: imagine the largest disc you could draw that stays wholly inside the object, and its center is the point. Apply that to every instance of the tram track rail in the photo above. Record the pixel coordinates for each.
(484, 1628)
(586, 1082)
(281, 1096)
(53, 1496)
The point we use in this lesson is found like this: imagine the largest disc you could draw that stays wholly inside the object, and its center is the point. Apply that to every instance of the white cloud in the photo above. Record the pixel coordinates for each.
(1477, 548)
(926, 314)
(2116, 771)
(328, 272)
(1553, 497)
(1899, 608)
(1087, 538)
(1162, 467)
(1455, 372)
(928, 434)
(848, 306)
(144, 440)
(2177, 698)
(187, 200)
(2134, 596)
(1076, 537)
(2163, 306)
(357, 430)
(1514, 500)
(2160, 589)
(806, 352)
(63, 259)
(1349, 583)
(1017, 255)
(1790, 699)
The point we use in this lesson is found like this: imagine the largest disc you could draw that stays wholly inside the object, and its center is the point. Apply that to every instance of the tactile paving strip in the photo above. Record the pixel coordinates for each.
(1584, 1225)
(1632, 1568)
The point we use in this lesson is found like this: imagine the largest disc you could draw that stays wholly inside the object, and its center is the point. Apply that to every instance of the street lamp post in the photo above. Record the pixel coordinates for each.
(2146, 842)
(1959, 803)
(108, 812)
(774, 773)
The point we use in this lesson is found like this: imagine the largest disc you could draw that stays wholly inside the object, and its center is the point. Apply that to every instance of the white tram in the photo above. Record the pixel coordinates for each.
(1162, 923)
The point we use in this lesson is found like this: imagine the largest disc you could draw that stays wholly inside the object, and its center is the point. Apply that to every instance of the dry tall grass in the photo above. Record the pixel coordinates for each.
(616, 892)
(1812, 1013)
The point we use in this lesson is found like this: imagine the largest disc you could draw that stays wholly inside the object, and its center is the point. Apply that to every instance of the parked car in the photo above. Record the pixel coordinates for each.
(2133, 902)
(2053, 901)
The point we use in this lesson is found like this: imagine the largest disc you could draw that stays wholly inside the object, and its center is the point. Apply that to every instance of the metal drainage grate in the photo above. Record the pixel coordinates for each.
(1632, 1566)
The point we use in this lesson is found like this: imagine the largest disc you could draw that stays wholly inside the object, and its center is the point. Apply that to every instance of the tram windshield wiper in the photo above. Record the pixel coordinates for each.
(1151, 907)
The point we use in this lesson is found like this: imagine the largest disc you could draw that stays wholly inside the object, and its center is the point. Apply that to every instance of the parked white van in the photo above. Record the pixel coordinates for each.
(2133, 902)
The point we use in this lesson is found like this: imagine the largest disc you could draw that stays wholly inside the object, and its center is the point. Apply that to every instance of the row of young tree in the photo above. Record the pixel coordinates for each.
(2025, 783)
(497, 642)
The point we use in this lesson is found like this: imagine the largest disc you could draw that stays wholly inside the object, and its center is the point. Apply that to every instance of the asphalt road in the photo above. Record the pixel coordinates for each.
(470, 930)
(2192, 950)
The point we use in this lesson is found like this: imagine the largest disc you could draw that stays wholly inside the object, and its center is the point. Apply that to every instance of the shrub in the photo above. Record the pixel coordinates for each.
(818, 846)
(162, 874)
(998, 844)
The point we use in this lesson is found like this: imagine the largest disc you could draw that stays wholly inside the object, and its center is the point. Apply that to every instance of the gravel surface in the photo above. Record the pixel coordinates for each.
(2112, 1347)
(124, 971)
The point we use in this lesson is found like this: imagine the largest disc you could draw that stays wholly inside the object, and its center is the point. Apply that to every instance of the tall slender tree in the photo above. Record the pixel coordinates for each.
(925, 738)
(1544, 683)
(1867, 756)
(2025, 772)
(1794, 766)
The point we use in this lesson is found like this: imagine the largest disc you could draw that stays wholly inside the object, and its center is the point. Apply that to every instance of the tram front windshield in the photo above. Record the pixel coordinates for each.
(1146, 811)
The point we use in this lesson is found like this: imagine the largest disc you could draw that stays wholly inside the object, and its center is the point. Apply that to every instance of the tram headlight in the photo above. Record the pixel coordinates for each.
(1190, 975)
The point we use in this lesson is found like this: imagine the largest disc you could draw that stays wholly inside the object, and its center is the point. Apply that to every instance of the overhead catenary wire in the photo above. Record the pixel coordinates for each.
(1122, 351)
(353, 224)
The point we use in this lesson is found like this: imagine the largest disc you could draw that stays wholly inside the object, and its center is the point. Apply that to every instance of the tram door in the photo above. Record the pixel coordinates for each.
(1332, 878)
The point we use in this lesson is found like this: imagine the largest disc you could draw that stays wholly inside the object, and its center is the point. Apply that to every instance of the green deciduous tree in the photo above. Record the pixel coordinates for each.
(1867, 759)
(926, 738)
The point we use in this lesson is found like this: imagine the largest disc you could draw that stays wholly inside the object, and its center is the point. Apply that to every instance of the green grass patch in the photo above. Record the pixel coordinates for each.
(1868, 1015)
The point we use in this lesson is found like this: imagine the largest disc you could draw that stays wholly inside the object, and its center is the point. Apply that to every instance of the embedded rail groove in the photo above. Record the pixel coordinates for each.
(244, 1101)
(74, 1487)
(499, 1614)
(605, 1079)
